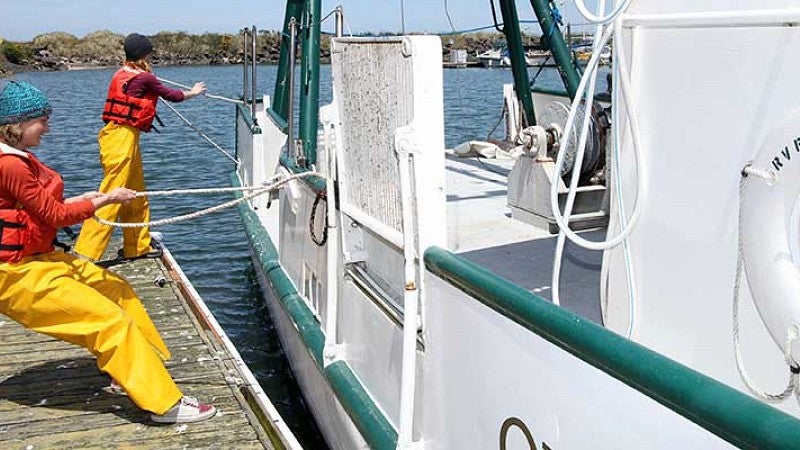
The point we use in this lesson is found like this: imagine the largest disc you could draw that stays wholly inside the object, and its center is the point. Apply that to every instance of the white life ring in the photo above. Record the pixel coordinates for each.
(768, 201)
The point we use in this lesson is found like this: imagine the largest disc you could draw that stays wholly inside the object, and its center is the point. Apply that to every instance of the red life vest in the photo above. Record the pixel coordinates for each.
(123, 109)
(22, 234)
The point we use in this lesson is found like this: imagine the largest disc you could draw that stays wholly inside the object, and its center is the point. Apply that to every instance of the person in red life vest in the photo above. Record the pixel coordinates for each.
(129, 110)
(60, 295)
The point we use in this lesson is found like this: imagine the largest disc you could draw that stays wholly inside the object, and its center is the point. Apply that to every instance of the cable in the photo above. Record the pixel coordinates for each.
(203, 135)
(616, 176)
(624, 85)
(592, 78)
(623, 89)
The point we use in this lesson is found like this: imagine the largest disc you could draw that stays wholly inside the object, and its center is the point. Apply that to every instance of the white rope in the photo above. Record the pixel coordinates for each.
(203, 135)
(206, 94)
(200, 191)
(792, 334)
(765, 174)
(257, 190)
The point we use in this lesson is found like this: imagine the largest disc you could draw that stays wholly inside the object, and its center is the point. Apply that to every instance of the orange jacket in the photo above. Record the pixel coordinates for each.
(32, 207)
(126, 110)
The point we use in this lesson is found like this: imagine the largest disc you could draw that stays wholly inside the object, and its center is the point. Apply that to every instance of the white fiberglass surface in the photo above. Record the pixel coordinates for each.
(706, 98)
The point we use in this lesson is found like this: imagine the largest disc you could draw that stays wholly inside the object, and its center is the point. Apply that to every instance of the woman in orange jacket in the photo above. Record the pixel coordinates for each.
(60, 295)
(130, 109)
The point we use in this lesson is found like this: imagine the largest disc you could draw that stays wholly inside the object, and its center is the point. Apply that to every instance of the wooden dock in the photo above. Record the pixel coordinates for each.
(51, 392)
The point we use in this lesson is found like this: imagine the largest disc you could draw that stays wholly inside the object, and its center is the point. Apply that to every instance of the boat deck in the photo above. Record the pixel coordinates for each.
(51, 392)
(481, 230)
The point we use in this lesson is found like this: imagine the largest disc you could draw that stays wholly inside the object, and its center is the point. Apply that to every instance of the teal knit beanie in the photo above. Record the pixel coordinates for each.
(20, 101)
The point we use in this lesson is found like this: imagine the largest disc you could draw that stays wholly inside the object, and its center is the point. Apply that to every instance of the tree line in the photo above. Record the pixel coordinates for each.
(60, 50)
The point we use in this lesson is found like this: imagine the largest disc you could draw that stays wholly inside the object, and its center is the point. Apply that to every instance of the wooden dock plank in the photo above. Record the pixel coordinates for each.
(51, 392)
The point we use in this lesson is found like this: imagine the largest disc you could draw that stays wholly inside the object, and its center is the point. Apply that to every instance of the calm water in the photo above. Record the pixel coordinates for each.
(213, 250)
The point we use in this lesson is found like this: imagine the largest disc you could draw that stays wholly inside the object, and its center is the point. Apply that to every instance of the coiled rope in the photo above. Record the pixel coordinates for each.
(256, 191)
(320, 241)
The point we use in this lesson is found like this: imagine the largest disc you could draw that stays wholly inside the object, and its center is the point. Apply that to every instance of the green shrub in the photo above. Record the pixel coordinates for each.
(14, 53)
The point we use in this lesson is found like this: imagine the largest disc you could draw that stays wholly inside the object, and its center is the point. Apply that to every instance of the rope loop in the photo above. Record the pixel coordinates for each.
(321, 195)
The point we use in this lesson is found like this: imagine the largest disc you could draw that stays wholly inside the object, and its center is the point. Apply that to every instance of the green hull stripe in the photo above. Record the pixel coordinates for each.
(733, 416)
(368, 418)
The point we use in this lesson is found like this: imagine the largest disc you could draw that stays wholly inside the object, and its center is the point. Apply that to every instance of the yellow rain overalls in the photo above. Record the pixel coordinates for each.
(122, 167)
(78, 302)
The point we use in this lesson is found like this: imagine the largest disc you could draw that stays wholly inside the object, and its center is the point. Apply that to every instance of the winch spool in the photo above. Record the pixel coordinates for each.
(555, 113)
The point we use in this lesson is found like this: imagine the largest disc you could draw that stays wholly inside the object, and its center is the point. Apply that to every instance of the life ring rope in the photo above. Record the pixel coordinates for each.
(793, 331)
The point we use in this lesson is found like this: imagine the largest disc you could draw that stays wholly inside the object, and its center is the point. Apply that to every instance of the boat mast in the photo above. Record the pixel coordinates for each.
(554, 39)
(280, 102)
(519, 65)
(307, 14)
(309, 82)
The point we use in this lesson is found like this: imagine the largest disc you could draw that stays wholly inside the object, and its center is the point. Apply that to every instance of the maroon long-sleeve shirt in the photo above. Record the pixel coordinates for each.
(146, 82)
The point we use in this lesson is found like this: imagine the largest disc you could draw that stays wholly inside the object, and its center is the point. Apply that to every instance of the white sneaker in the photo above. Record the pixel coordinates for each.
(188, 409)
(115, 389)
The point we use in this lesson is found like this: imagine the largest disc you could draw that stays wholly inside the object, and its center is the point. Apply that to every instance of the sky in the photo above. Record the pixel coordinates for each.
(22, 20)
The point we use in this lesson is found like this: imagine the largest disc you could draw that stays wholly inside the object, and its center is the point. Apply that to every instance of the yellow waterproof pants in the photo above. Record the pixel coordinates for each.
(122, 167)
(76, 301)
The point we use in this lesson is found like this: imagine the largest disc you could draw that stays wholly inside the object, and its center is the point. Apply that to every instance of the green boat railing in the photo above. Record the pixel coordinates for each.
(732, 415)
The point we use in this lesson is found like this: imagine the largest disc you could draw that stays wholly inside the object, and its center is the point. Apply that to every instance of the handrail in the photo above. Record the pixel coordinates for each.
(732, 415)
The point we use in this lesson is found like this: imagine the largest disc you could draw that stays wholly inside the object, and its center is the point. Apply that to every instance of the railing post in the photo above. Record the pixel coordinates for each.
(339, 18)
(253, 60)
(245, 46)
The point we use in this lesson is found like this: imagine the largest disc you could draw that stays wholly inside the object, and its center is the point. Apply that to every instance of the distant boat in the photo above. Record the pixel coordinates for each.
(501, 57)
(536, 57)
(495, 57)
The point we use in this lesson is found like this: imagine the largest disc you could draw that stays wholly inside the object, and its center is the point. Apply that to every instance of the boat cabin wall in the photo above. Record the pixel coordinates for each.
(707, 94)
